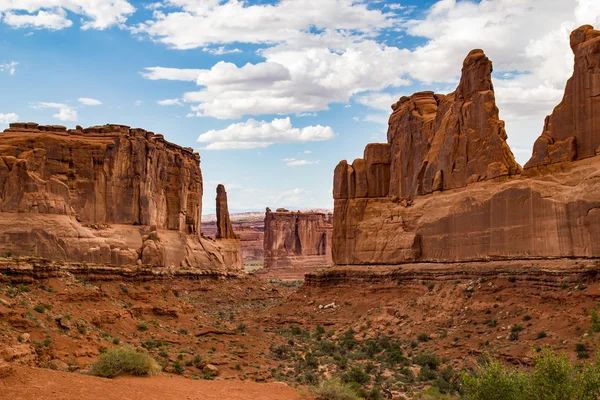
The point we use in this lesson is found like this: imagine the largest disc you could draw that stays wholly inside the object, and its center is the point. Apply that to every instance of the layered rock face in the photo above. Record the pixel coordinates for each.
(572, 131)
(297, 239)
(106, 194)
(454, 191)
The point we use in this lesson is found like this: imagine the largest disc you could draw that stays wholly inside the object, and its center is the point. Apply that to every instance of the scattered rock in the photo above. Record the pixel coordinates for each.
(210, 370)
(57, 365)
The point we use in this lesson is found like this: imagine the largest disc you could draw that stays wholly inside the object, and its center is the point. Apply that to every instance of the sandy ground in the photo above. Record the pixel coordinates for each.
(39, 384)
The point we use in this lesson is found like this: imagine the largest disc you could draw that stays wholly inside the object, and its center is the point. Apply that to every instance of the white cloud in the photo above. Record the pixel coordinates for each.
(86, 101)
(65, 112)
(171, 74)
(291, 80)
(292, 162)
(380, 101)
(138, 103)
(39, 14)
(54, 20)
(7, 118)
(307, 152)
(203, 23)
(169, 102)
(11, 67)
(219, 51)
(315, 54)
(254, 134)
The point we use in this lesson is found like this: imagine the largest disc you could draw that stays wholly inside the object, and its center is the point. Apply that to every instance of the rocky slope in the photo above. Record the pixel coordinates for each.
(446, 187)
(107, 194)
(297, 239)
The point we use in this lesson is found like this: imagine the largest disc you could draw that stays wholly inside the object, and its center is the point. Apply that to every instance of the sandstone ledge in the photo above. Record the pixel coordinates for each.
(30, 269)
(546, 272)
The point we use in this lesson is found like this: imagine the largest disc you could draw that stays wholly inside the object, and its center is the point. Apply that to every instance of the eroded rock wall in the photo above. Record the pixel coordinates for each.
(571, 132)
(297, 239)
(454, 191)
(106, 194)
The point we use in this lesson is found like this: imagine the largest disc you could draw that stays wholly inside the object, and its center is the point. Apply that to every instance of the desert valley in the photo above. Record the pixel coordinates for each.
(445, 270)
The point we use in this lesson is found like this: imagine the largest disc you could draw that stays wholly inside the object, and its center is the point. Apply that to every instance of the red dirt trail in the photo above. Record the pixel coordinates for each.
(41, 384)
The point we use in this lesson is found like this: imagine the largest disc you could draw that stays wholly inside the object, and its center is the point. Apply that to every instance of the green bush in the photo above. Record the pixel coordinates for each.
(553, 377)
(122, 361)
(335, 389)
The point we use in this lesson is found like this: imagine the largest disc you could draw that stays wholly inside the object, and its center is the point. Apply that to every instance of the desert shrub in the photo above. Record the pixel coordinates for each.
(490, 322)
(553, 377)
(142, 327)
(122, 361)
(491, 380)
(358, 375)
(595, 326)
(40, 308)
(281, 352)
(347, 340)
(335, 389)
(422, 337)
(178, 368)
(429, 360)
(542, 334)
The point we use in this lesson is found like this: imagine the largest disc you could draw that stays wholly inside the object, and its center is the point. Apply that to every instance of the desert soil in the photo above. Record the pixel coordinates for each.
(40, 384)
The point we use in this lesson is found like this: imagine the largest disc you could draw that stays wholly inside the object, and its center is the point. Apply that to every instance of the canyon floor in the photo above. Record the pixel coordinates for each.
(393, 332)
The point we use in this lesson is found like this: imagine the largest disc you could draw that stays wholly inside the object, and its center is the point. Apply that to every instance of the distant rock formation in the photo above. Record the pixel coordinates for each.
(446, 186)
(224, 227)
(572, 131)
(297, 239)
(105, 194)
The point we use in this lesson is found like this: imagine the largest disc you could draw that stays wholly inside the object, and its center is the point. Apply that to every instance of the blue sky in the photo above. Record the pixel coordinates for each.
(278, 91)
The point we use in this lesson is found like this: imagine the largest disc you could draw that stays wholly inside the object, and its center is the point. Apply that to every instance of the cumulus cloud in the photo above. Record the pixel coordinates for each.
(98, 14)
(195, 24)
(291, 80)
(7, 118)
(169, 102)
(292, 162)
(255, 134)
(314, 53)
(312, 58)
(65, 112)
(86, 101)
(10, 67)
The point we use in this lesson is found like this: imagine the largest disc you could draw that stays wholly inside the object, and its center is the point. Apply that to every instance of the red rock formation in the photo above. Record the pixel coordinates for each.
(457, 142)
(571, 132)
(297, 239)
(251, 233)
(224, 228)
(436, 142)
(107, 194)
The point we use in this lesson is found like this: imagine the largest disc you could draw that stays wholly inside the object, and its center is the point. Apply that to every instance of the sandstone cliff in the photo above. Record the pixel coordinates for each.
(297, 239)
(447, 188)
(105, 194)
(572, 131)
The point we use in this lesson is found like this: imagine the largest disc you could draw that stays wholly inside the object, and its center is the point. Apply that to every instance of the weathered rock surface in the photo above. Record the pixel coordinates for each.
(435, 142)
(297, 239)
(107, 194)
(224, 227)
(455, 190)
(572, 131)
